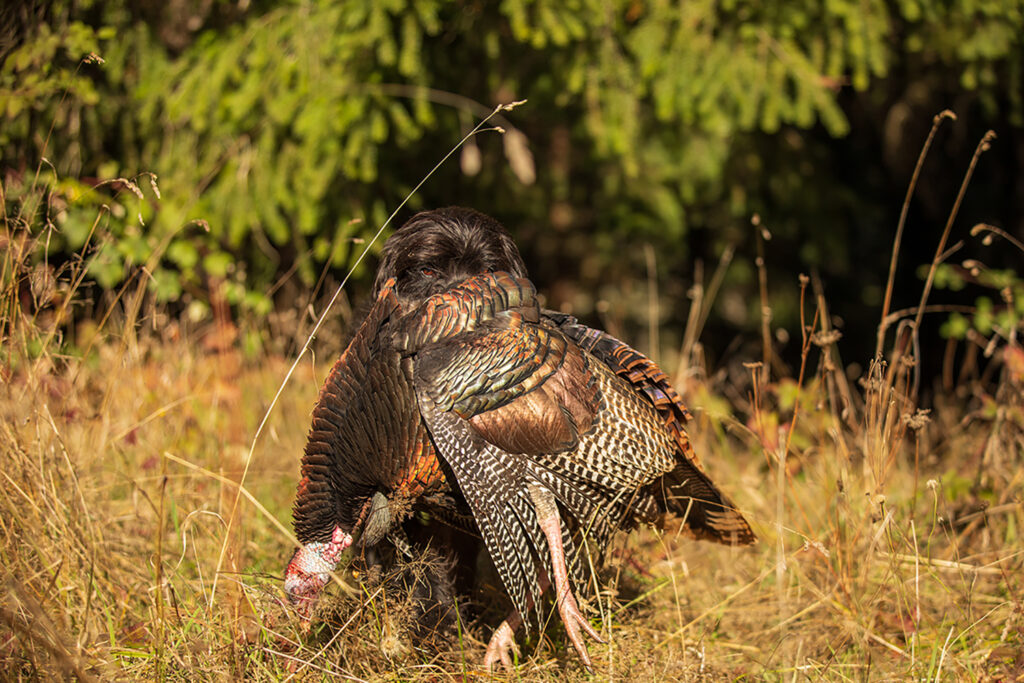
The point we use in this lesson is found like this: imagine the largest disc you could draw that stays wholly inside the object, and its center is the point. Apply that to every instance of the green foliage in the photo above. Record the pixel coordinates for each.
(1000, 312)
(290, 129)
(37, 74)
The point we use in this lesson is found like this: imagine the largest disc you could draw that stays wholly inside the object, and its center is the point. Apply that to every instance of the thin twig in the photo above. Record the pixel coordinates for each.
(983, 145)
(653, 314)
(984, 227)
(936, 122)
(762, 234)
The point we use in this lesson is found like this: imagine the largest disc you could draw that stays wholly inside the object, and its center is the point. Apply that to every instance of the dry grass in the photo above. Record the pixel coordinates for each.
(890, 546)
(867, 569)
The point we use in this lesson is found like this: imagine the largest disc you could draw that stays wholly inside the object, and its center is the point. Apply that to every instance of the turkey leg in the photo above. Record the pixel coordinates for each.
(568, 608)
(503, 640)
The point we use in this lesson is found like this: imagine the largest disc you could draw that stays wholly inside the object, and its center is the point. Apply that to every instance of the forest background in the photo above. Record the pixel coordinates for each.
(281, 135)
(192, 179)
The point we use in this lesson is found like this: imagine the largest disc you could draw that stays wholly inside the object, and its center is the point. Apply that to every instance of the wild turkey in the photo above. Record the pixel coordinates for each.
(460, 396)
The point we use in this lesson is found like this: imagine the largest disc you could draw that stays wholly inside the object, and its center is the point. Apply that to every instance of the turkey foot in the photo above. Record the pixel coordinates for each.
(568, 608)
(502, 642)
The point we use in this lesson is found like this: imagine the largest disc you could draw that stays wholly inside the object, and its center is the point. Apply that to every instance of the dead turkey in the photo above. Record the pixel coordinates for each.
(461, 397)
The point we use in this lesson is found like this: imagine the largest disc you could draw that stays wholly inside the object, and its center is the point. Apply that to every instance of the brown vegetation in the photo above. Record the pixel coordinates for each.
(891, 536)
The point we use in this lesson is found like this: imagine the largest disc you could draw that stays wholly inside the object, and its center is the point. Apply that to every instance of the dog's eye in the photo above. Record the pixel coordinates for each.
(429, 272)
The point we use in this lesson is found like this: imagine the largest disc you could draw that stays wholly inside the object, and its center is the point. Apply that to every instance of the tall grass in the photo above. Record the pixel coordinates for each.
(891, 536)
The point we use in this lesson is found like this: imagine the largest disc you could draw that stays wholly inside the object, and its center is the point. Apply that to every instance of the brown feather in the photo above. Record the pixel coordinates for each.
(549, 419)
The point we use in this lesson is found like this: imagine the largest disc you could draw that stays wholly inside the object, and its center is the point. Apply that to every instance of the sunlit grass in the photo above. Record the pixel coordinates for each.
(849, 582)
(890, 545)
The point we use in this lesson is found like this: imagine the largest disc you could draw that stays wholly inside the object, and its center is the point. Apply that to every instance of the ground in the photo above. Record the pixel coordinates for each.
(890, 539)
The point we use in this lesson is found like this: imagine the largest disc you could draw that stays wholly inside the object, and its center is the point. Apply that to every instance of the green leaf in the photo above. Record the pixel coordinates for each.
(955, 327)
(218, 264)
(183, 254)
